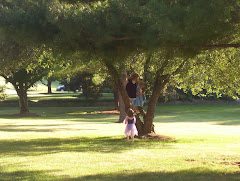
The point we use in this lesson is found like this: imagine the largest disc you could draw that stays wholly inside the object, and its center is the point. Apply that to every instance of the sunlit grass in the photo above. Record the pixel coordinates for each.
(69, 144)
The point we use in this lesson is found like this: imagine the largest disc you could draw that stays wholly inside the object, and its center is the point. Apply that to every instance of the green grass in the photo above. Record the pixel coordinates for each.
(58, 97)
(70, 144)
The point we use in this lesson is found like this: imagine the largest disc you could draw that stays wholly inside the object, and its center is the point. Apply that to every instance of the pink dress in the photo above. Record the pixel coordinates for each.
(130, 128)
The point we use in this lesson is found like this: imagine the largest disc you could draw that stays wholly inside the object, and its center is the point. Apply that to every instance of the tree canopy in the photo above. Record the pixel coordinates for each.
(122, 26)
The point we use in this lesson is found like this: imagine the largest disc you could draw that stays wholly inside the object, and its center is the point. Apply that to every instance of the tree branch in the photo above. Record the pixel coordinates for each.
(126, 38)
(208, 46)
(231, 45)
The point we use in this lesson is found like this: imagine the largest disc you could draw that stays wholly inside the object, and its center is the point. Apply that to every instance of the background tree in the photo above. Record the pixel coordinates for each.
(22, 80)
(22, 67)
(54, 72)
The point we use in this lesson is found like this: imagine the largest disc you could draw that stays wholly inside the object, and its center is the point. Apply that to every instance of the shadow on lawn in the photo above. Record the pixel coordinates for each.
(219, 118)
(196, 174)
(97, 118)
(81, 144)
(220, 115)
(230, 123)
(35, 128)
(27, 175)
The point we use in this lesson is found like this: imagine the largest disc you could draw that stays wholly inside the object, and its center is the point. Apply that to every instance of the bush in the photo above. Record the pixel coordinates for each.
(84, 81)
(107, 90)
(3, 95)
(178, 94)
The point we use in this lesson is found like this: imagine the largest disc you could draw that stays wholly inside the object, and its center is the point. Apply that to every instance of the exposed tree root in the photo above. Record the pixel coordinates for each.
(153, 136)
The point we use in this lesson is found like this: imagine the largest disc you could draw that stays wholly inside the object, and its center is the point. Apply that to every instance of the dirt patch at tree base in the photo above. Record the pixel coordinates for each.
(109, 111)
(27, 115)
(158, 137)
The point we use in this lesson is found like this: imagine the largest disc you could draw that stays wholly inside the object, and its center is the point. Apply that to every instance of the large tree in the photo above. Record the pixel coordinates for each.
(114, 30)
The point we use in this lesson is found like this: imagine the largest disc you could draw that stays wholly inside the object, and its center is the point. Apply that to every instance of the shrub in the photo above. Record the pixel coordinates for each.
(3, 95)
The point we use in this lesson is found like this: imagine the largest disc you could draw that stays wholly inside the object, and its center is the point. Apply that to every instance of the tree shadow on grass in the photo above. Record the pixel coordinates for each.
(230, 123)
(82, 144)
(219, 115)
(28, 175)
(96, 118)
(35, 128)
(196, 174)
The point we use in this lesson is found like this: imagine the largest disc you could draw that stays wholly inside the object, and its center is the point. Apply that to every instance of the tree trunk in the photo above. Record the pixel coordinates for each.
(118, 84)
(148, 121)
(49, 85)
(116, 98)
(121, 102)
(23, 101)
(122, 109)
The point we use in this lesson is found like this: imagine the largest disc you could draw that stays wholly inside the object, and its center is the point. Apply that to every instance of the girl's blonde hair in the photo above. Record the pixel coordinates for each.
(141, 83)
(134, 76)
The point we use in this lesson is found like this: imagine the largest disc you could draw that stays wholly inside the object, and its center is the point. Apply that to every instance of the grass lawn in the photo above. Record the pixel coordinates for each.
(69, 144)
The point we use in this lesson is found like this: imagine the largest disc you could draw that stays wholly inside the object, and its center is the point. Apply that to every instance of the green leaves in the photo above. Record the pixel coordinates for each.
(101, 26)
(3, 95)
(217, 71)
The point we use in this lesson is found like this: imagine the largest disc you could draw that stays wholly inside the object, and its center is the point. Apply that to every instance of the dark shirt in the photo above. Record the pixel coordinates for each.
(130, 121)
(131, 89)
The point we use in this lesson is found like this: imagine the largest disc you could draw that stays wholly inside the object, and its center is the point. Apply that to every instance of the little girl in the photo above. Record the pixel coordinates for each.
(140, 99)
(131, 86)
(130, 121)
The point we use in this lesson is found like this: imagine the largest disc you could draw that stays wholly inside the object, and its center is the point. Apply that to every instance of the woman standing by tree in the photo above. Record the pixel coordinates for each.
(131, 86)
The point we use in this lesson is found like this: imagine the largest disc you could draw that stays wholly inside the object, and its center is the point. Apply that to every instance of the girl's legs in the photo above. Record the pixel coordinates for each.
(127, 138)
(132, 138)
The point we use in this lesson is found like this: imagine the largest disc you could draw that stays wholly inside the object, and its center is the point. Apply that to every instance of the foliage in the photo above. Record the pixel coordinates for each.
(215, 71)
(119, 28)
(180, 94)
(3, 95)
(23, 72)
